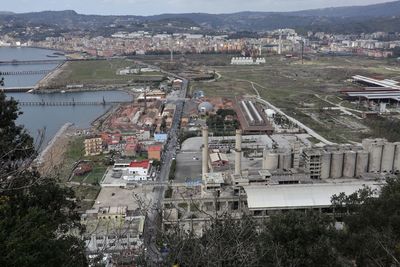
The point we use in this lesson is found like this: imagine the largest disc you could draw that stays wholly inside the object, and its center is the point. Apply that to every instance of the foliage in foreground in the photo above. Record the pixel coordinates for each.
(36, 213)
(370, 236)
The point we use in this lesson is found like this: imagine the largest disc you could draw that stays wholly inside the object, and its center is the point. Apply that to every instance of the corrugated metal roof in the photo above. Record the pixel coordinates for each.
(293, 196)
(383, 83)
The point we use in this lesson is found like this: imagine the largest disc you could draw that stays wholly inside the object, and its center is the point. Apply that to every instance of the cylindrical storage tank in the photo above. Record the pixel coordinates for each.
(325, 165)
(349, 164)
(362, 163)
(271, 161)
(375, 158)
(396, 165)
(285, 161)
(388, 157)
(337, 164)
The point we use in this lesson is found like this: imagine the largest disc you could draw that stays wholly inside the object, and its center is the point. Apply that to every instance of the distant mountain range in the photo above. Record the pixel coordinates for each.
(355, 19)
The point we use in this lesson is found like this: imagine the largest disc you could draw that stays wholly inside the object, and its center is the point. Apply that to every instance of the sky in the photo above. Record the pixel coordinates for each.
(151, 7)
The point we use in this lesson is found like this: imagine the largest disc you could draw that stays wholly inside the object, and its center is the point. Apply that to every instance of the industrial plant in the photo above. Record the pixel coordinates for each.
(282, 172)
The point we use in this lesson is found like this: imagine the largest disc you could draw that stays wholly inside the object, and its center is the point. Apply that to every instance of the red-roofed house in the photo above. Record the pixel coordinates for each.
(138, 170)
(154, 152)
(112, 140)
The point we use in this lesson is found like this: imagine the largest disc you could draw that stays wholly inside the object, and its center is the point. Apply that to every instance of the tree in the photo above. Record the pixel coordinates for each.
(372, 235)
(37, 215)
(299, 239)
(15, 143)
(290, 239)
(226, 242)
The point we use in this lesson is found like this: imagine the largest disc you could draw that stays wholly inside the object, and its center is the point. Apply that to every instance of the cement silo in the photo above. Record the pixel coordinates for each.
(396, 165)
(285, 160)
(325, 165)
(388, 157)
(349, 164)
(362, 163)
(375, 157)
(270, 160)
(375, 149)
(337, 164)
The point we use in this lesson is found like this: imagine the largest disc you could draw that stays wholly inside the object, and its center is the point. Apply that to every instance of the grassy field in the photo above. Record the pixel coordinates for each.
(101, 72)
(293, 86)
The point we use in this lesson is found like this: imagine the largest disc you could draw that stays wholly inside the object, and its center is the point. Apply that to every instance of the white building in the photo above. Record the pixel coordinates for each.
(137, 171)
(247, 61)
(267, 200)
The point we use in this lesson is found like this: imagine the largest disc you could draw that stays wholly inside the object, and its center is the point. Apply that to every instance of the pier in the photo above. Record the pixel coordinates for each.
(24, 72)
(70, 103)
(21, 89)
(31, 62)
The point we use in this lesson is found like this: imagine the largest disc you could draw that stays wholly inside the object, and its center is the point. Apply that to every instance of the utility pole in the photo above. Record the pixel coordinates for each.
(302, 51)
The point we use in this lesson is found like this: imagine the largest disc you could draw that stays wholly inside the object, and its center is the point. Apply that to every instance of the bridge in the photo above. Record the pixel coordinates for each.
(20, 89)
(31, 62)
(69, 103)
(24, 72)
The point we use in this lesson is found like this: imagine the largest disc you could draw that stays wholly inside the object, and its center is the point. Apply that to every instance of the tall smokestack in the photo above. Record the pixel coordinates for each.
(205, 151)
(238, 153)
(280, 43)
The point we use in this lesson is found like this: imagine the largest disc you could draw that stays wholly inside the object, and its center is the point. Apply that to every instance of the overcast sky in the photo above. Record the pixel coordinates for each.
(150, 7)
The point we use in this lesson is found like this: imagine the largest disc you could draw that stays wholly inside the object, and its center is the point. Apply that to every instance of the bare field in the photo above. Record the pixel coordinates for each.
(293, 86)
(98, 72)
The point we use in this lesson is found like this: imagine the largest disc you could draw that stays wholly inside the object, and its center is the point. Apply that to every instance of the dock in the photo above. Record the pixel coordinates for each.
(20, 89)
(70, 103)
(31, 62)
(25, 72)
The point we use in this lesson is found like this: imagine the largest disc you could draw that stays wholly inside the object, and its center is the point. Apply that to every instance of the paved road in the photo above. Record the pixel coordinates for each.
(153, 220)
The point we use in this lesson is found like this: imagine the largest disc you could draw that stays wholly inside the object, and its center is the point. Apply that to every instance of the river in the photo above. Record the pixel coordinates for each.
(52, 118)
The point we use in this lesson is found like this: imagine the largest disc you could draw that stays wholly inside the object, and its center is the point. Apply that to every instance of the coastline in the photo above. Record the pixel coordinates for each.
(52, 154)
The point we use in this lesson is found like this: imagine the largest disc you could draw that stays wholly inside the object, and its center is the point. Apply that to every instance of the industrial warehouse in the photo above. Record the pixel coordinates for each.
(374, 90)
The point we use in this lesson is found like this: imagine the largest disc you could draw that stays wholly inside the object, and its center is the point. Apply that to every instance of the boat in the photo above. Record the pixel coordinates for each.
(59, 53)
(62, 92)
(51, 56)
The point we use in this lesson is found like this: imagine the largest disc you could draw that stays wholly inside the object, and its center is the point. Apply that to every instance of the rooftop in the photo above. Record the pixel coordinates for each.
(300, 196)
(145, 164)
(154, 148)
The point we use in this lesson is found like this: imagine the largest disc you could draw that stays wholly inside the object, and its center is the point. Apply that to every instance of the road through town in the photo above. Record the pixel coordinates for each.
(153, 219)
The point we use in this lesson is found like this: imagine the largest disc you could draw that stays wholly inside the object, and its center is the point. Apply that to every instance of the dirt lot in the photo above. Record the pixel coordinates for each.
(300, 89)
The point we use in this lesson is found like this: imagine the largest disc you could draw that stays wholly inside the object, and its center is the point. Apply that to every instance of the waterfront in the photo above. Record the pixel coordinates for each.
(21, 54)
(51, 118)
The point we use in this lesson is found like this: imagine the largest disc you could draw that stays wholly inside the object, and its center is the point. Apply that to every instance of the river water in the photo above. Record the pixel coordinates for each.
(52, 118)
(23, 54)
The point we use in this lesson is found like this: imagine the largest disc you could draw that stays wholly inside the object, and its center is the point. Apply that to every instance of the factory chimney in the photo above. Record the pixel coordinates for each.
(238, 153)
(205, 151)
(280, 43)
